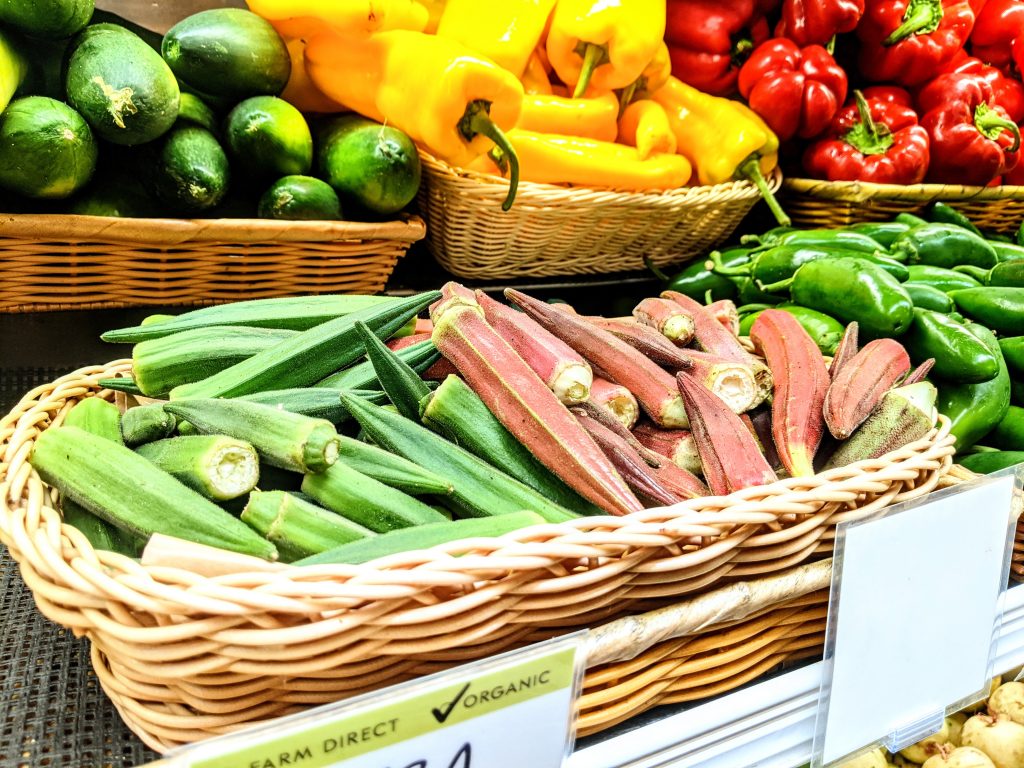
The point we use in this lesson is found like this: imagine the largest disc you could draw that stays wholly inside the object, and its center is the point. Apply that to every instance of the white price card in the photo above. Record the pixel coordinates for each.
(914, 608)
(509, 711)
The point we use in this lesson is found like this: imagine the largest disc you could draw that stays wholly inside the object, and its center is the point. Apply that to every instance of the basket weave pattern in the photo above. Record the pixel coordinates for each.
(52, 262)
(552, 230)
(816, 203)
(185, 656)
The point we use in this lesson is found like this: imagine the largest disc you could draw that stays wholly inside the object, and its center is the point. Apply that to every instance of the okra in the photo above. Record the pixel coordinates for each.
(366, 501)
(862, 383)
(392, 470)
(419, 357)
(296, 527)
(734, 381)
(675, 444)
(645, 340)
(308, 401)
(217, 466)
(848, 346)
(725, 312)
(423, 537)
(402, 384)
(124, 384)
(308, 357)
(128, 491)
(146, 423)
(616, 398)
(666, 317)
(98, 416)
(286, 440)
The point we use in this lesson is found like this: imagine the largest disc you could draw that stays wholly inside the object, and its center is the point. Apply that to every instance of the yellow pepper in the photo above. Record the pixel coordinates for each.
(549, 158)
(434, 10)
(505, 32)
(654, 76)
(721, 139)
(607, 42)
(304, 18)
(446, 98)
(593, 118)
(535, 77)
(300, 91)
(644, 125)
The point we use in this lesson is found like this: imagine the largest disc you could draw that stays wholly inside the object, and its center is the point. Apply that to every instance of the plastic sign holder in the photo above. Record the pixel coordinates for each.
(913, 616)
(509, 711)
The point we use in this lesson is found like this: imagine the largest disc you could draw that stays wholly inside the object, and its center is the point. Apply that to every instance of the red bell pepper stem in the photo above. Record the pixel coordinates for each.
(921, 18)
(868, 137)
(751, 170)
(593, 57)
(990, 125)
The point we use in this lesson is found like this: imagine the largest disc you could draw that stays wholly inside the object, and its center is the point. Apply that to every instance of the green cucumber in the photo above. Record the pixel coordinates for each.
(51, 19)
(390, 469)
(146, 423)
(478, 489)
(121, 86)
(159, 365)
(300, 198)
(419, 356)
(366, 501)
(1008, 434)
(318, 403)
(218, 467)
(296, 313)
(228, 52)
(13, 69)
(990, 461)
(47, 150)
(267, 137)
(310, 356)
(286, 440)
(191, 171)
(192, 109)
(116, 484)
(403, 385)
(423, 537)
(296, 527)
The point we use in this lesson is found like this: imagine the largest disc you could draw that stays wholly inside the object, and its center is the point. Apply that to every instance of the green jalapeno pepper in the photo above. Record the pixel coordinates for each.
(696, 280)
(1017, 392)
(945, 280)
(1007, 251)
(996, 237)
(851, 289)
(1013, 351)
(766, 237)
(825, 238)
(974, 409)
(882, 232)
(1020, 233)
(1001, 309)
(783, 261)
(1008, 434)
(749, 293)
(987, 462)
(928, 297)
(947, 214)
(911, 219)
(943, 245)
(1006, 274)
(960, 356)
(826, 331)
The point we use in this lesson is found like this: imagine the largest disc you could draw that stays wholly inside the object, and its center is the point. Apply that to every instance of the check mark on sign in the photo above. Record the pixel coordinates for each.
(442, 715)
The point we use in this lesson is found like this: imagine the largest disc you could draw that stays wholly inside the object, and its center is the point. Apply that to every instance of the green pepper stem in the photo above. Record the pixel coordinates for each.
(476, 120)
(775, 287)
(979, 274)
(747, 309)
(593, 56)
(719, 267)
(655, 270)
(751, 170)
(830, 46)
(990, 124)
(921, 18)
(867, 136)
(626, 95)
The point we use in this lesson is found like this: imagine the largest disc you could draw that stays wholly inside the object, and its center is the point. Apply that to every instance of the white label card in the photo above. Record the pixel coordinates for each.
(916, 599)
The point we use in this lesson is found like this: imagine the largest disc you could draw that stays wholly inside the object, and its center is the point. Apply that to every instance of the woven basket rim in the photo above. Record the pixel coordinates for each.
(862, 191)
(532, 194)
(636, 535)
(408, 228)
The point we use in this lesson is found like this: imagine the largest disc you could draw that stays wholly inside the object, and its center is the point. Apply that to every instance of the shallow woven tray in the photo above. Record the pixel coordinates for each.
(553, 230)
(816, 203)
(186, 655)
(51, 262)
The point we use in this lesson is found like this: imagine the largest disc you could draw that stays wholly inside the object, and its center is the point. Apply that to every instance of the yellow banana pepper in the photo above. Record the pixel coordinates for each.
(535, 77)
(607, 42)
(721, 139)
(300, 91)
(434, 10)
(593, 118)
(304, 18)
(446, 98)
(644, 125)
(549, 158)
(505, 32)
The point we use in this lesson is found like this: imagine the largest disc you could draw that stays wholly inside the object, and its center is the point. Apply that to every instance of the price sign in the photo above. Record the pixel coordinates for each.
(510, 711)
(913, 614)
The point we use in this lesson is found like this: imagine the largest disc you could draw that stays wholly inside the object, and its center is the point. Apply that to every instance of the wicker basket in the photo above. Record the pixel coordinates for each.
(816, 203)
(552, 230)
(50, 262)
(192, 649)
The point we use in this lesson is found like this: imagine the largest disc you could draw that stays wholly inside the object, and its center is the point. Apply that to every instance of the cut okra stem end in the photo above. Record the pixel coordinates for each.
(233, 471)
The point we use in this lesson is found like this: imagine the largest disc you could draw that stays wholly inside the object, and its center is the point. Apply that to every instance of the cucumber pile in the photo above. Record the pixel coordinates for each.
(99, 116)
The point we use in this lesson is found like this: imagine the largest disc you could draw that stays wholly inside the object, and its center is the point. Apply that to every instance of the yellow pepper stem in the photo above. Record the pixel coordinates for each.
(593, 57)
(476, 120)
(626, 95)
(751, 170)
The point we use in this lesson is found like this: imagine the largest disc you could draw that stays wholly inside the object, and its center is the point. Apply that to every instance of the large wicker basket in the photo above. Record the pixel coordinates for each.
(189, 649)
(553, 230)
(50, 262)
(817, 203)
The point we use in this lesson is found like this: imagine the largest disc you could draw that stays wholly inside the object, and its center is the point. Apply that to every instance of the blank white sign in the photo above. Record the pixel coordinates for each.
(919, 595)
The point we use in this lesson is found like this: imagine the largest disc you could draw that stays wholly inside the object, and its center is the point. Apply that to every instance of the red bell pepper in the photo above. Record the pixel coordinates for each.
(1008, 91)
(807, 22)
(973, 140)
(873, 139)
(908, 41)
(708, 41)
(997, 26)
(797, 91)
